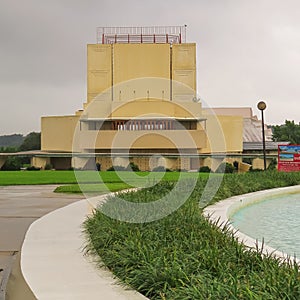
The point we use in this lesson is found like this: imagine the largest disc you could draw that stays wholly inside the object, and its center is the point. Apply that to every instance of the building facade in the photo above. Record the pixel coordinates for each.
(141, 107)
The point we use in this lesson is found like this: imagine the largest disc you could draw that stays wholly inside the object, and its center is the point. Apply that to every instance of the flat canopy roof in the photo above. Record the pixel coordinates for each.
(140, 119)
(39, 153)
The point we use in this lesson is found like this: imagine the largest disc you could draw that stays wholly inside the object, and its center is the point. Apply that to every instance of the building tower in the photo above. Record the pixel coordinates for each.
(141, 105)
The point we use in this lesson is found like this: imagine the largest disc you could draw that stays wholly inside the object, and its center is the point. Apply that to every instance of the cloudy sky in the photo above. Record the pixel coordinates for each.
(247, 50)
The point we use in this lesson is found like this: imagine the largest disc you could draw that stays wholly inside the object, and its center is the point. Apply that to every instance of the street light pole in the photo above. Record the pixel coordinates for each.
(262, 106)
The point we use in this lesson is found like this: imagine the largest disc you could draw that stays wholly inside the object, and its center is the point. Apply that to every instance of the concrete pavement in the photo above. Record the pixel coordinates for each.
(19, 207)
(52, 262)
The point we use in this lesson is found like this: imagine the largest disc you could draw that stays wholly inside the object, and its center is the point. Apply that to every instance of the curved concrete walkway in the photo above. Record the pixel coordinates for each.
(19, 207)
(53, 263)
(223, 210)
(54, 266)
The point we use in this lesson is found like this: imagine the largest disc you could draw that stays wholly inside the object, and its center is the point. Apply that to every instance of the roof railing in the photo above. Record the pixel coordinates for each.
(139, 35)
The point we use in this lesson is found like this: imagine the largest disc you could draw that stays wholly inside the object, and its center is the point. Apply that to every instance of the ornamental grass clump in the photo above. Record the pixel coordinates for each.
(185, 256)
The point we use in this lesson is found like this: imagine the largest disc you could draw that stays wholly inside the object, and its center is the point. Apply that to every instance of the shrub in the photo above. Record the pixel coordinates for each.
(116, 168)
(225, 168)
(48, 167)
(133, 167)
(13, 163)
(273, 164)
(161, 169)
(33, 168)
(255, 170)
(205, 169)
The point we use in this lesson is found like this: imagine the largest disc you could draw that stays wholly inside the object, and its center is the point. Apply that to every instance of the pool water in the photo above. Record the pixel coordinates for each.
(275, 220)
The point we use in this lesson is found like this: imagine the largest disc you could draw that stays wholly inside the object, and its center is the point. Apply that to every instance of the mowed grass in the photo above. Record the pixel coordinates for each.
(36, 177)
(184, 256)
(90, 181)
(111, 182)
(61, 177)
(91, 188)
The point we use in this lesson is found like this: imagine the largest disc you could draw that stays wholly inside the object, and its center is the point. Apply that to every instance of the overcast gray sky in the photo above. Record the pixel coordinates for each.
(247, 50)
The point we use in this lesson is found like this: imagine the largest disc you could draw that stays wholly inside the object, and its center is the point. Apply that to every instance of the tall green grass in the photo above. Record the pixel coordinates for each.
(184, 256)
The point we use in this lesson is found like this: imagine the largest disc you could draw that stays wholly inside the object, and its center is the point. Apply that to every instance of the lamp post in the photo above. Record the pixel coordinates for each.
(262, 106)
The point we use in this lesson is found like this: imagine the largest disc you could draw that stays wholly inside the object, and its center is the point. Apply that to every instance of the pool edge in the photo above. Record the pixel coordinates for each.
(223, 210)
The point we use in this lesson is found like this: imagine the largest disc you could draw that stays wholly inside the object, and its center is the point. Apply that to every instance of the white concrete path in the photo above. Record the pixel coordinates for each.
(53, 263)
(54, 266)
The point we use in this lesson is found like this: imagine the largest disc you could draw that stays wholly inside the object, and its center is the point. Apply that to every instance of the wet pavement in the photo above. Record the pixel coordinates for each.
(19, 207)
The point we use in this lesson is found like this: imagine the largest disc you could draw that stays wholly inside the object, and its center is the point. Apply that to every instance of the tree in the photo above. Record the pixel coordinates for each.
(8, 149)
(32, 141)
(288, 132)
(12, 163)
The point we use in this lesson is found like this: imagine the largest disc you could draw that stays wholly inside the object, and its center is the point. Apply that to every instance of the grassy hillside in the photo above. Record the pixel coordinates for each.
(12, 140)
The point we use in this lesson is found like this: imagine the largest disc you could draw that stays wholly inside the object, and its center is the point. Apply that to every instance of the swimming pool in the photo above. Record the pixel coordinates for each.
(275, 220)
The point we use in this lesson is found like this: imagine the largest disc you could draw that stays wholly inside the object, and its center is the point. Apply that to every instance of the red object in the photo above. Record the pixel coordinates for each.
(289, 158)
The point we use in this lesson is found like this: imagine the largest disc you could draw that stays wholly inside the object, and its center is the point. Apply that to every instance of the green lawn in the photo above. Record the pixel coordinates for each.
(93, 188)
(111, 182)
(91, 181)
(36, 177)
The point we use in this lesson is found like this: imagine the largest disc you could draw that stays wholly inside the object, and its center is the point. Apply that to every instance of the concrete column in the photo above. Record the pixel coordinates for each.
(121, 161)
(40, 162)
(79, 162)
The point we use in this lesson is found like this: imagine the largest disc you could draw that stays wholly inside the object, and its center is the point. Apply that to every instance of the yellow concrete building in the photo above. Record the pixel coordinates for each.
(141, 107)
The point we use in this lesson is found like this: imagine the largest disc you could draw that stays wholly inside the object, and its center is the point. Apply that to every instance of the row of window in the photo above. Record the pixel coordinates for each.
(142, 125)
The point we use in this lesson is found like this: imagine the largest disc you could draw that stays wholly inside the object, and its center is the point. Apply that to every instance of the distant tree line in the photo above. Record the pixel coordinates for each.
(288, 132)
(31, 141)
(12, 140)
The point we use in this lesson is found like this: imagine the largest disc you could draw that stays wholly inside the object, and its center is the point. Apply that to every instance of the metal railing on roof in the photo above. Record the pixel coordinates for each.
(151, 34)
